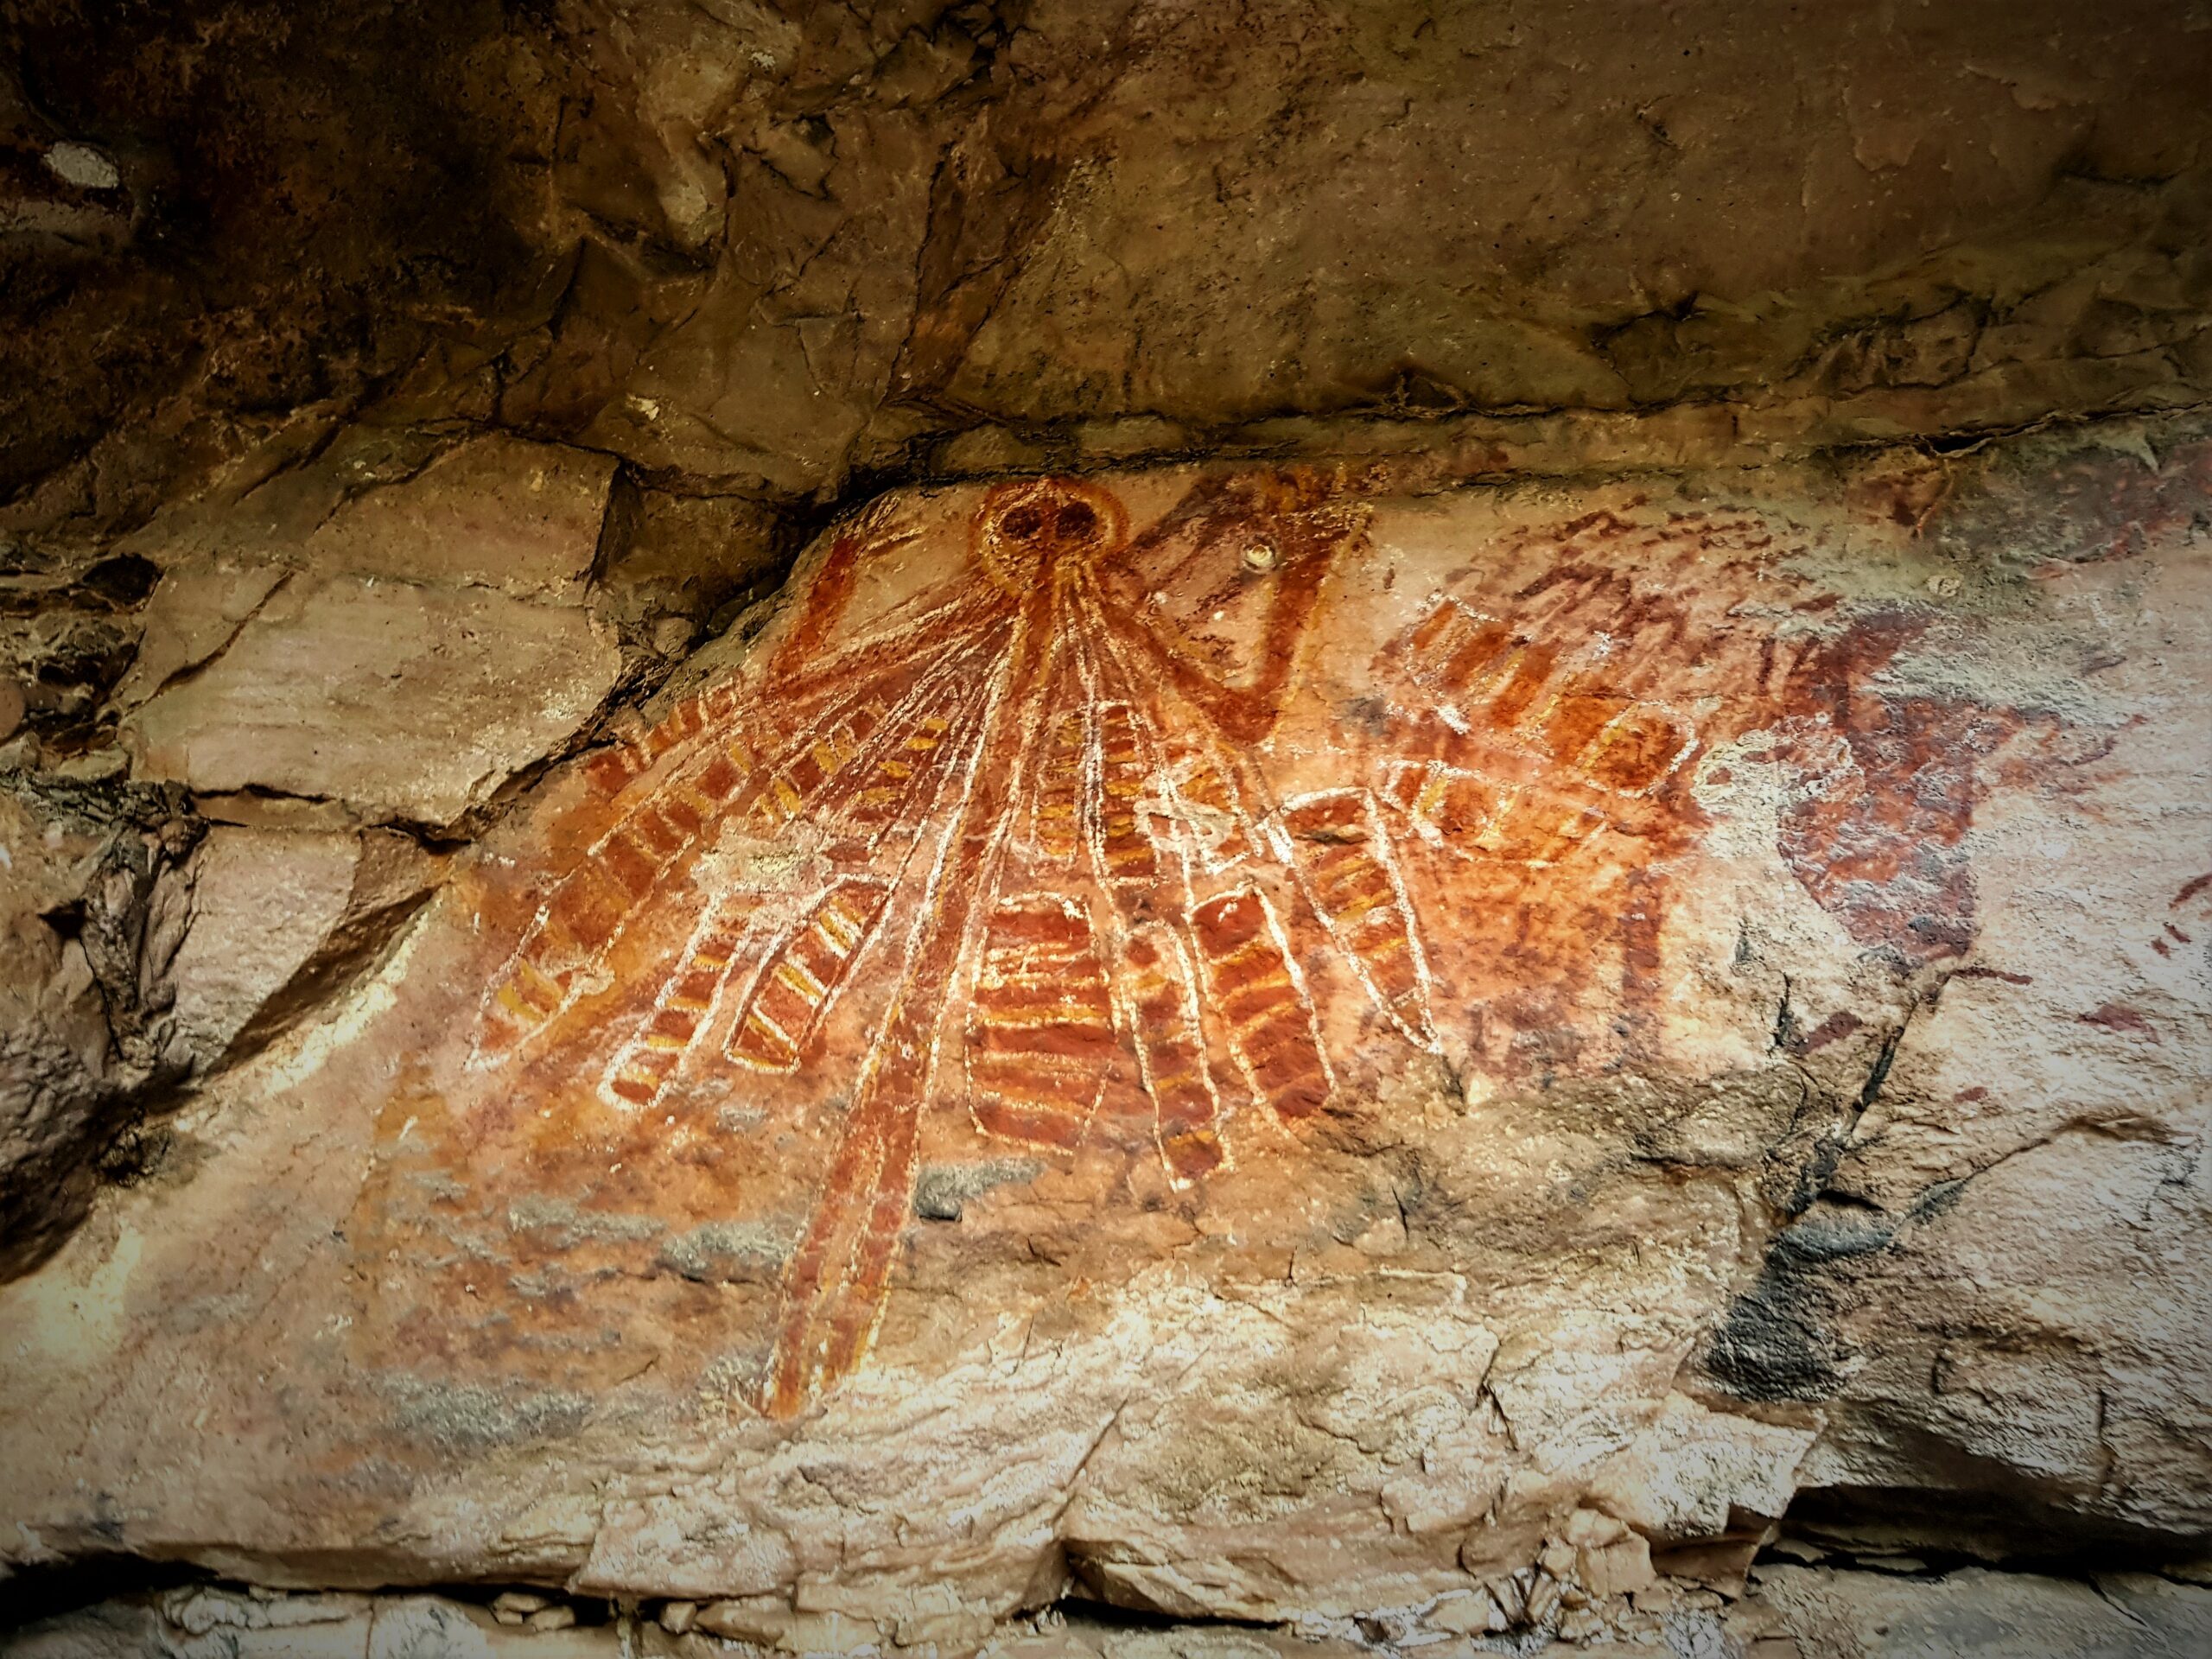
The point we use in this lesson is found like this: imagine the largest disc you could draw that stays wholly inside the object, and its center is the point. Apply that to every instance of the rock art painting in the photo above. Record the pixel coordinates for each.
(1175, 822)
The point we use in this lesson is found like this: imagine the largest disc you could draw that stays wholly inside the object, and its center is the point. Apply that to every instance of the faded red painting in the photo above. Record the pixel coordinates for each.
(1180, 831)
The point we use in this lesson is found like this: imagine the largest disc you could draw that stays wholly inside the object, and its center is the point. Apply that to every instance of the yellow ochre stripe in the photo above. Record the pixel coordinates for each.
(774, 1033)
(802, 983)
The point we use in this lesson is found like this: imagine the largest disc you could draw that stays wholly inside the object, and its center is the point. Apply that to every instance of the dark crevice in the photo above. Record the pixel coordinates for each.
(1995, 1526)
(1104, 1615)
(32, 1593)
(1784, 1037)
(1061, 446)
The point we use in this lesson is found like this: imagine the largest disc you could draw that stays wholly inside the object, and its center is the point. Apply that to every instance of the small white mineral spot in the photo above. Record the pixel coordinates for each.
(82, 166)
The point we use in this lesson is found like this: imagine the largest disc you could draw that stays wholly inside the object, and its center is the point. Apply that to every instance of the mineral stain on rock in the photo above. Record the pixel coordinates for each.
(1036, 819)
(1284, 1006)
(1438, 891)
(1774, 1345)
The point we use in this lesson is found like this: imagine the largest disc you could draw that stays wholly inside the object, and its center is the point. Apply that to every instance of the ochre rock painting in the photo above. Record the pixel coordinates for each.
(1174, 819)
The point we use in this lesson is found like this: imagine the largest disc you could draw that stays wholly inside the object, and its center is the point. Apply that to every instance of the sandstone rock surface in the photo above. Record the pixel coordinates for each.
(95, 898)
(1251, 1045)
(403, 703)
(493, 511)
(394, 628)
(1795, 1613)
(766, 248)
(1145, 228)
(280, 919)
(1461, 902)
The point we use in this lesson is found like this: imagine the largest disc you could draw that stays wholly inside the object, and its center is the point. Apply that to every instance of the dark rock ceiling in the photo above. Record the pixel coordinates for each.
(762, 251)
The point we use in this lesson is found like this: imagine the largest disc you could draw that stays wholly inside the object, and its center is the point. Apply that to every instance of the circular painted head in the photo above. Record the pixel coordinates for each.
(1058, 525)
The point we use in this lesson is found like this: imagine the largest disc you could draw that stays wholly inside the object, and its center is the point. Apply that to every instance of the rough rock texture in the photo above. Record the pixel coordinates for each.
(1179, 221)
(1794, 1613)
(94, 901)
(1251, 1045)
(281, 920)
(399, 646)
(757, 246)
(1957, 1293)
(818, 823)
(145, 949)
(219, 220)
(409, 704)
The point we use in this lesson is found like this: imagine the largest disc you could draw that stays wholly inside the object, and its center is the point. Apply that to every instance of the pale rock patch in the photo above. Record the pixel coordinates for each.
(404, 703)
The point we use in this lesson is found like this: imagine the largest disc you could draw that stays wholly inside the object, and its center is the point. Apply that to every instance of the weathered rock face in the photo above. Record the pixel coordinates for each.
(222, 221)
(758, 247)
(1444, 909)
(1853, 1615)
(95, 901)
(1254, 1043)
(400, 650)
